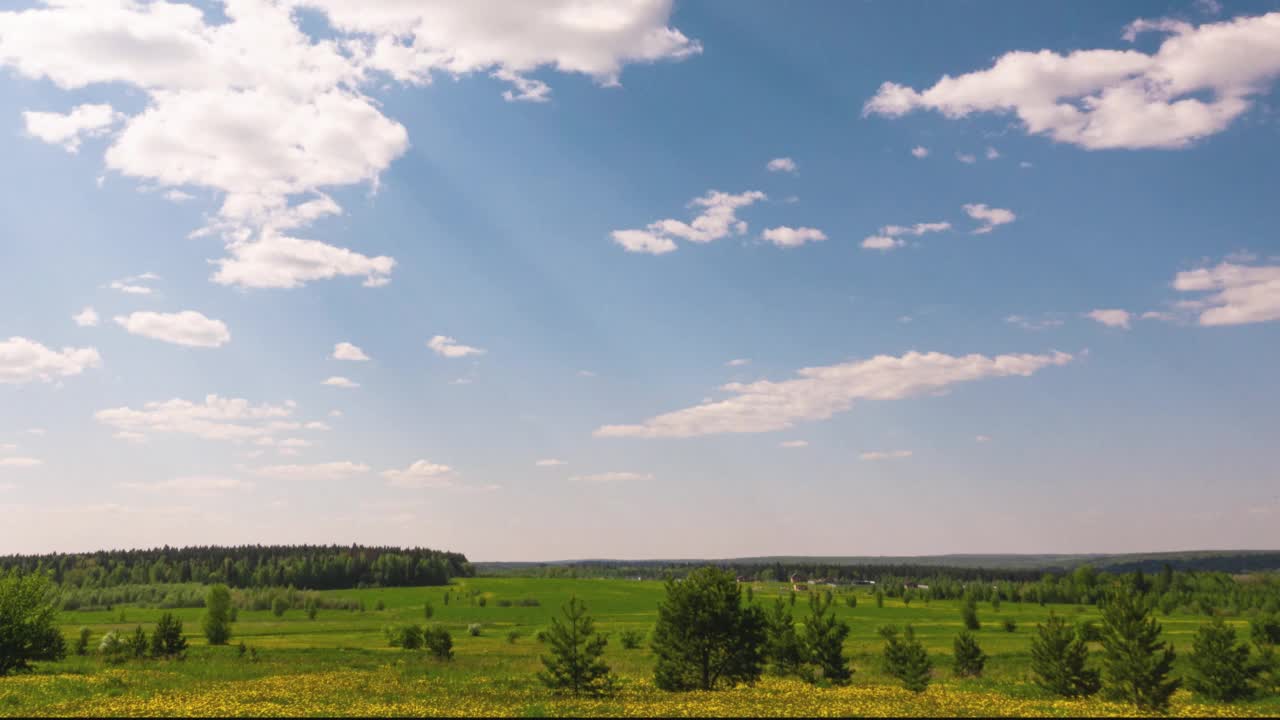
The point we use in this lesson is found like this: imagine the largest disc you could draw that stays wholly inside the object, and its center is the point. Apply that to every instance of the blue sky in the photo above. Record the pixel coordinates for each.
(747, 278)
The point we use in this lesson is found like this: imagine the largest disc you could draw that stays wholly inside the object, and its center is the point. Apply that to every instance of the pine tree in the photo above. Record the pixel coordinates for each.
(576, 663)
(1059, 660)
(1221, 669)
(137, 643)
(1264, 631)
(438, 642)
(1136, 664)
(782, 645)
(167, 639)
(905, 658)
(969, 613)
(969, 657)
(706, 637)
(824, 637)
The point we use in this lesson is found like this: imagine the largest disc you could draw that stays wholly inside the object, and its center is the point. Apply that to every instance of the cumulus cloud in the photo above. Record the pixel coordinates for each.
(279, 261)
(820, 392)
(794, 444)
(992, 153)
(990, 217)
(1196, 84)
(738, 362)
(347, 351)
(890, 236)
(23, 361)
(1110, 317)
(782, 164)
(550, 462)
(340, 382)
(421, 474)
(87, 317)
(787, 237)
(885, 455)
(217, 418)
(881, 242)
(920, 151)
(717, 219)
(611, 477)
(445, 346)
(982, 438)
(188, 328)
(69, 129)
(246, 104)
(1236, 294)
(343, 470)
(967, 158)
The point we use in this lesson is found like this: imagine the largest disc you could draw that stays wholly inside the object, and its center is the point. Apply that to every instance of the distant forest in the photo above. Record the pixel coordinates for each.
(314, 567)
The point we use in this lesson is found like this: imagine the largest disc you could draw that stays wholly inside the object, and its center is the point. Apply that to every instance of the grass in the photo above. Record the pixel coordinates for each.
(339, 663)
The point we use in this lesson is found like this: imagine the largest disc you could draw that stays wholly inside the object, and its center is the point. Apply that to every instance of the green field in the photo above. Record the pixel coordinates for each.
(339, 663)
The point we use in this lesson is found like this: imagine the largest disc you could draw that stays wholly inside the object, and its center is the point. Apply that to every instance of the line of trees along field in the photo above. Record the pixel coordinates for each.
(315, 567)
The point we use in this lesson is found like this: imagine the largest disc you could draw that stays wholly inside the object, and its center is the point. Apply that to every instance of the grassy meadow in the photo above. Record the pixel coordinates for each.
(340, 664)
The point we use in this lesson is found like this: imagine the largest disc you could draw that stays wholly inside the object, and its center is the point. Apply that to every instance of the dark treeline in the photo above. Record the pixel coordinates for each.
(313, 567)
(1169, 590)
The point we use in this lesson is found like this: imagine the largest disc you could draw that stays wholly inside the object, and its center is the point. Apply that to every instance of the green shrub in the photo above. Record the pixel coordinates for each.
(82, 641)
(137, 643)
(631, 639)
(969, 614)
(167, 639)
(278, 606)
(217, 615)
(28, 622)
(1009, 624)
(474, 629)
(438, 642)
(513, 636)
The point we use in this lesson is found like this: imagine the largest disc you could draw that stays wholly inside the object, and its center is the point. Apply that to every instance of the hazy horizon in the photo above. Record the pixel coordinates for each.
(655, 280)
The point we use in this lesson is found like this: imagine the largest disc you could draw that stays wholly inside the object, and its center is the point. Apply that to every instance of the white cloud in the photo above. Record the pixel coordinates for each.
(880, 242)
(343, 470)
(188, 328)
(335, 413)
(347, 351)
(917, 230)
(178, 196)
(782, 164)
(445, 346)
(134, 285)
(786, 237)
(989, 217)
(253, 108)
(217, 418)
(920, 151)
(1195, 85)
(23, 361)
(1024, 164)
(982, 438)
(279, 261)
(69, 129)
(1110, 317)
(992, 153)
(1159, 315)
(191, 485)
(340, 382)
(738, 362)
(1029, 324)
(20, 462)
(38, 432)
(966, 158)
(794, 444)
(585, 373)
(610, 477)
(421, 474)
(889, 237)
(1237, 294)
(550, 462)
(820, 392)
(8, 447)
(717, 219)
(87, 317)
(885, 455)
(643, 241)
(316, 425)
